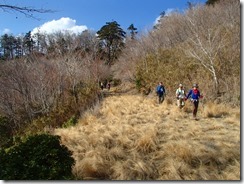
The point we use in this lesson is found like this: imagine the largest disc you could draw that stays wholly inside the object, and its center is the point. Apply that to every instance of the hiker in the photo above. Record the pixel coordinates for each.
(160, 90)
(194, 95)
(101, 85)
(108, 85)
(180, 96)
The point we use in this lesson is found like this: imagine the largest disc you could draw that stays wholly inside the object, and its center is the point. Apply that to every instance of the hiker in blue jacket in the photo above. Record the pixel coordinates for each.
(160, 92)
(194, 95)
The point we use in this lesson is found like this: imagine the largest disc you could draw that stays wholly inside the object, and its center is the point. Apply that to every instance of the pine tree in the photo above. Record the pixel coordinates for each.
(133, 31)
(112, 37)
(211, 2)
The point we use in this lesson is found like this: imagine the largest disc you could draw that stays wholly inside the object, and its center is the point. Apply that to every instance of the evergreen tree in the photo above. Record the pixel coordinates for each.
(133, 31)
(211, 2)
(19, 47)
(161, 16)
(8, 45)
(112, 40)
(28, 42)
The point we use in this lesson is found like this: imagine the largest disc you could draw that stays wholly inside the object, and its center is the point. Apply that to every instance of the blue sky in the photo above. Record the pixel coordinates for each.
(78, 15)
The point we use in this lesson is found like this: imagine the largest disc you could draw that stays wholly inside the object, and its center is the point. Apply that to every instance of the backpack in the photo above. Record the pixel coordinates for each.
(180, 93)
(160, 89)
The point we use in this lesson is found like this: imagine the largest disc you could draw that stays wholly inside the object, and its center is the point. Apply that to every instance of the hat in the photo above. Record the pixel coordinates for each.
(195, 85)
(180, 85)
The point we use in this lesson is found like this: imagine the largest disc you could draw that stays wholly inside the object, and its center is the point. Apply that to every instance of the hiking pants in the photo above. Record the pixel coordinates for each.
(160, 98)
(195, 104)
(180, 102)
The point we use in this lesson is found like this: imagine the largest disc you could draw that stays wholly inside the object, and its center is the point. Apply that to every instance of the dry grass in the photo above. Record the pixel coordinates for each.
(216, 110)
(131, 137)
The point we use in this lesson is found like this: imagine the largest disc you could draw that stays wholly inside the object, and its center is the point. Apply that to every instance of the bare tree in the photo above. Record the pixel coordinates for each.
(207, 37)
(27, 11)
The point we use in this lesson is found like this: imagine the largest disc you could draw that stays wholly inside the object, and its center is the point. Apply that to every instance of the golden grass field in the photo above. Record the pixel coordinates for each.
(131, 137)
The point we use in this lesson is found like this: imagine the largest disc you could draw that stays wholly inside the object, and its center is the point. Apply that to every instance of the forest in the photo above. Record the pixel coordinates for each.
(50, 91)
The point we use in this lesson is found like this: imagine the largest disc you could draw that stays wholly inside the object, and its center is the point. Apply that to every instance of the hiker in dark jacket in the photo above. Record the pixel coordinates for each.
(194, 95)
(160, 92)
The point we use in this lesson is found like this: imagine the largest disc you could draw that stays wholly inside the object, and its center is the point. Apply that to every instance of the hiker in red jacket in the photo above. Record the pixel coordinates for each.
(194, 95)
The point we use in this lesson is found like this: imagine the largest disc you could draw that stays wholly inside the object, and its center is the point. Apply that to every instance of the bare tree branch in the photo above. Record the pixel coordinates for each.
(27, 11)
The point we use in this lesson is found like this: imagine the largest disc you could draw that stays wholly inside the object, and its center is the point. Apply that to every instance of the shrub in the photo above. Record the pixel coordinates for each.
(71, 122)
(116, 82)
(213, 110)
(40, 157)
(5, 132)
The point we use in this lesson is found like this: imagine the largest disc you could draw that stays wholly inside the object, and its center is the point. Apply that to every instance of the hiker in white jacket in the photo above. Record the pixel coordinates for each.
(180, 95)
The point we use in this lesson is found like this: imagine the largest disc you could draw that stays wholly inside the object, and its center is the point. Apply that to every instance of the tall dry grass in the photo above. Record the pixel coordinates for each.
(131, 137)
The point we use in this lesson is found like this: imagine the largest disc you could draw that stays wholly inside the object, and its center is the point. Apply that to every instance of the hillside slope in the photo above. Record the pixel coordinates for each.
(131, 137)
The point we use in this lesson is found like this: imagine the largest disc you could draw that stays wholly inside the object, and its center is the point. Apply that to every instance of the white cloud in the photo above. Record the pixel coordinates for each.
(63, 24)
(167, 13)
(6, 31)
